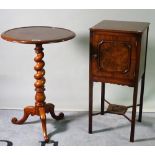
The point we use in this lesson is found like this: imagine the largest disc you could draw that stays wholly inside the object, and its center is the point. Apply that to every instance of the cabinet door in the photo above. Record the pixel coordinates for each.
(113, 58)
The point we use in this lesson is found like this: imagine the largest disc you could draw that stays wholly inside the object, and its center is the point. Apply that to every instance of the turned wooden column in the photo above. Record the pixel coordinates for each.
(39, 76)
(39, 88)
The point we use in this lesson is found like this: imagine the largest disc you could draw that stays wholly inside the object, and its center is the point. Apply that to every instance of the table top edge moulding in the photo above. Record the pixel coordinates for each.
(46, 34)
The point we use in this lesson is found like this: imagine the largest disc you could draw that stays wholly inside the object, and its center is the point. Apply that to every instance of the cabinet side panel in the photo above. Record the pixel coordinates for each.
(90, 54)
(143, 53)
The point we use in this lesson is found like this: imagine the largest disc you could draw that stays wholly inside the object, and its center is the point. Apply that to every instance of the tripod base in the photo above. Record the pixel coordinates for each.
(40, 111)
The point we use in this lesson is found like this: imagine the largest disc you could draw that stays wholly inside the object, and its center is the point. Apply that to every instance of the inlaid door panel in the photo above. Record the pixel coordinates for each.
(113, 56)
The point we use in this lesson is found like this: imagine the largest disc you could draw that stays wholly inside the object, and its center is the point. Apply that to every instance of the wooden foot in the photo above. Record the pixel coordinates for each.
(43, 121)
(30, 110)
(50, 109)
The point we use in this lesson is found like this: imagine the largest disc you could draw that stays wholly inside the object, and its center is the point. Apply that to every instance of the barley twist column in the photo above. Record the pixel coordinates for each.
(39, 76)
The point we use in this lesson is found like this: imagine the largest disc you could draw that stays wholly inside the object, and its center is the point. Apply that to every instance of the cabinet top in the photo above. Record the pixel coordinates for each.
(123, 26)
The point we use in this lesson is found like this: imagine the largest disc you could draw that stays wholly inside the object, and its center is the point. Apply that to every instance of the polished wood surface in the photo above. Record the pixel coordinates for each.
(121, 26)
(118, 51)
(38, 35)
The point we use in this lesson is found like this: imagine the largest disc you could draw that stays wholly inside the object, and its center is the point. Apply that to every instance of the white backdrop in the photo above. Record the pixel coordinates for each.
(66, 63)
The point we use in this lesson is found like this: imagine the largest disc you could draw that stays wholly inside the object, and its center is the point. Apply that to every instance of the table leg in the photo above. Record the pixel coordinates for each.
(90, 106)
(27, 111)
(50, 109)
(133, 120)
(43, 121)
(141, 98)
(102, 97)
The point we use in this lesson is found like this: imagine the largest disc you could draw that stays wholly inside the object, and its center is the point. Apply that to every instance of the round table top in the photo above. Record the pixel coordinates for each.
(38, 35)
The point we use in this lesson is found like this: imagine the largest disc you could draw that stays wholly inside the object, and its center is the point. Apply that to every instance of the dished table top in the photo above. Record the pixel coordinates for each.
(38, 35)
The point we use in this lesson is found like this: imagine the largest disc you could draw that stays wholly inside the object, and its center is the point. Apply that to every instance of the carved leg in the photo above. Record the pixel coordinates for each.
(90, 105)
(133, 113)
(50, 109)
(102, 97)
(43, 121)
(27, 111)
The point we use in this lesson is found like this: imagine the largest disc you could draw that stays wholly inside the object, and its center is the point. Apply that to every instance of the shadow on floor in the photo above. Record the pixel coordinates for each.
(109, 129)
(55, 143)
(9, 143)
(148, 121)
(62, 125)
(145, 139)
(59, 125)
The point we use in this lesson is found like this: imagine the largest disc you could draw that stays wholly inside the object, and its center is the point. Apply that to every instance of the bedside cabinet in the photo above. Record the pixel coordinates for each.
(118, 51)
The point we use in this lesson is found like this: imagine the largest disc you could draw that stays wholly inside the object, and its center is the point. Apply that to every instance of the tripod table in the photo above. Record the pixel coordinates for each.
(38, 35)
